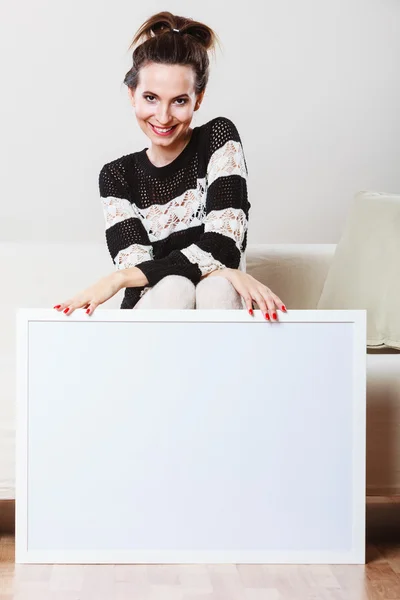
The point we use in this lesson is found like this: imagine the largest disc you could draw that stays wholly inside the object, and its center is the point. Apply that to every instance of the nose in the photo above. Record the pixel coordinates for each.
(163, 116)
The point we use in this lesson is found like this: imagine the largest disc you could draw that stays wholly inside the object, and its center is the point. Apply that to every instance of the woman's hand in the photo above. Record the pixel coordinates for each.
(94, 295)
(251, 291)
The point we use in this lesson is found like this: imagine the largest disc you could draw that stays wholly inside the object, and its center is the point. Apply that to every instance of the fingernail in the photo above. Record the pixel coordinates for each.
(267, 316)
(284, 308)
(57, 306)
(251, 311)
(66, 310)
(274, 316)
(88, 311)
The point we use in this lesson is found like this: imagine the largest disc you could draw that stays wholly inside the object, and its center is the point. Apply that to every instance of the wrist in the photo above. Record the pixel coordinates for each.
(130, 277)
(227, 273)
(217, 273)
(140, 278)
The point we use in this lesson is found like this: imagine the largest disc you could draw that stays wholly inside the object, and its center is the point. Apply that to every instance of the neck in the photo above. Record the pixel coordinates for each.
(161, 156)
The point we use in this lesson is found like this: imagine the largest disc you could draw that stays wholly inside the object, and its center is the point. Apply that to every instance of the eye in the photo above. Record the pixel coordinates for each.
(150, 98)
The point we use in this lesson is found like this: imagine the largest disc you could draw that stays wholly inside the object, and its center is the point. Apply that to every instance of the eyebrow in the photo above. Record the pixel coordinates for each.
(153, 94)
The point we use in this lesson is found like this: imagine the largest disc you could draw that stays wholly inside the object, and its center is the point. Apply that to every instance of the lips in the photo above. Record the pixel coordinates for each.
(163, 133)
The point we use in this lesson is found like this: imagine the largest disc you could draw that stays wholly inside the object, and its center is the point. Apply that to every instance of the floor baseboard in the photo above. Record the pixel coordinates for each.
(7, 516)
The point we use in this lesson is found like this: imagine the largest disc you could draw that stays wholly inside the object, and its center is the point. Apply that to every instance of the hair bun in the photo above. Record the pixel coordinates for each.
(166, 22)
(160, 27)
(201, 33)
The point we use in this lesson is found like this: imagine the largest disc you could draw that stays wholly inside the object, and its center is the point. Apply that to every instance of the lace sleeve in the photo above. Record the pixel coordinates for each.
(126, 236)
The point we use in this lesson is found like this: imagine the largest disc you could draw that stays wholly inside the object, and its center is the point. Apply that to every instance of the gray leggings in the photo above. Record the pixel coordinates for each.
(176, 291)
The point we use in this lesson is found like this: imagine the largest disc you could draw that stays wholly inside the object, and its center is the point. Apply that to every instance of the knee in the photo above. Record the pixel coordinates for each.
(217, 292)
(215, 284)
(178, 291)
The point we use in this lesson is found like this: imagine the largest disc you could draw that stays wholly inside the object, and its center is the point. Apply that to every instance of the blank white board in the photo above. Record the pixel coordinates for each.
(191, 437)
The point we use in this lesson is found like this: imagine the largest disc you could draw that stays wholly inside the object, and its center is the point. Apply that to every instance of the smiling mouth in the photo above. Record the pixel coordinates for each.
(162, 129)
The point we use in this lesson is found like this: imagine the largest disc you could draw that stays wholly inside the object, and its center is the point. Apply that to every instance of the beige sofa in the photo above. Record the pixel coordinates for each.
(40, 275)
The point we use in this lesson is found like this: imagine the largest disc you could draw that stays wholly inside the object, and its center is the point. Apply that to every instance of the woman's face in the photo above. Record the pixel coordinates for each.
(165, 98)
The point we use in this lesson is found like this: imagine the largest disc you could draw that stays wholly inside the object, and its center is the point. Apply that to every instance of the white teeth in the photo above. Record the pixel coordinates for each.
(162, 130)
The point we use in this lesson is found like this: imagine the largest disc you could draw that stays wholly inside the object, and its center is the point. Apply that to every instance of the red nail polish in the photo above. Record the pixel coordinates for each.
(284, 308)
(274, 316)
(251, 311)
(267, 316)
(57, 306)
(66, 310)
(88, 311)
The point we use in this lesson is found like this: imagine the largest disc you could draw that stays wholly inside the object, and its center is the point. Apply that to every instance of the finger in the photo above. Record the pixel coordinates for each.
(262, 305)
(63, 305)
(278, 302)
(248, 301)
(271, 307)
(91, 307)
(69, 309)
(74, 305)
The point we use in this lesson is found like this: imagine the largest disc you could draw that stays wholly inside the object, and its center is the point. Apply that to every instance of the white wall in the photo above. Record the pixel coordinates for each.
(312, 86)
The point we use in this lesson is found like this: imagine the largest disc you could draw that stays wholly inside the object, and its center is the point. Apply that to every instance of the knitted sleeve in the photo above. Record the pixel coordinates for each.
(223, 241)
(126, 237)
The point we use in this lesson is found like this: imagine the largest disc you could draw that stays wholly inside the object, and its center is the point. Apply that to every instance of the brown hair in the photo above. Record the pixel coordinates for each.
(164, 45)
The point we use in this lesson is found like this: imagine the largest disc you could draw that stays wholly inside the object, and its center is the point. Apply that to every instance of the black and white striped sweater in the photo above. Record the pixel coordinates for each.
(186, 218)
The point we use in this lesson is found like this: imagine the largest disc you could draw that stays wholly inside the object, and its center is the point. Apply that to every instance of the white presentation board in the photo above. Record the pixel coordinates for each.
(190, 437)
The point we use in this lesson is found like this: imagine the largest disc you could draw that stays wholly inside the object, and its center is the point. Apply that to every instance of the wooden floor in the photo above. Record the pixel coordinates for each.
(379, 579)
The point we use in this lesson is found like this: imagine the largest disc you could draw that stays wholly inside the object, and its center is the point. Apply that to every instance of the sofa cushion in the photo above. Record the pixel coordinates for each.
(365, 270)
(295, 272)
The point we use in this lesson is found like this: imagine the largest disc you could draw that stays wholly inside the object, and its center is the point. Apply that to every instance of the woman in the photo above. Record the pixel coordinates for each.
(177, 212)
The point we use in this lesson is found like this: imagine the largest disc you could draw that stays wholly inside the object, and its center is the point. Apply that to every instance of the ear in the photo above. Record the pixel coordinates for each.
(131, 94)
(199, 100)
